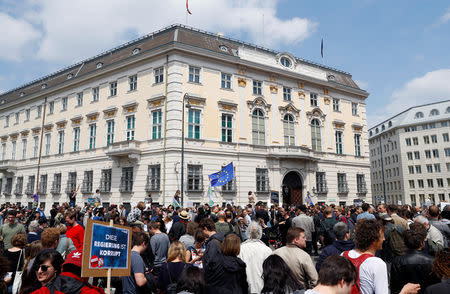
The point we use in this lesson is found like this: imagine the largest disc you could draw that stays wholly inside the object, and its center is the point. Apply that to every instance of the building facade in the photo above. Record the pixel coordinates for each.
(114, 122)
(410, 156)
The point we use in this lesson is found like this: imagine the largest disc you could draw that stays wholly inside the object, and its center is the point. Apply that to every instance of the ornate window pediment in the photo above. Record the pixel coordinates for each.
(61, 124)
(226, 105)
(258, 102)
(76, 120)
(289, 109)
(92, 116)
(156, 101)
(48, 127)
(316, 113)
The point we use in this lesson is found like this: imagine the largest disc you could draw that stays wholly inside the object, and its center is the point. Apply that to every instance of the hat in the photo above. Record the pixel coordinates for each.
(75, 257)
(184, 215)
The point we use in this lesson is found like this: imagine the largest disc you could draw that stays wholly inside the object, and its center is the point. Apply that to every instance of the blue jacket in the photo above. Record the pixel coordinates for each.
(336, 248)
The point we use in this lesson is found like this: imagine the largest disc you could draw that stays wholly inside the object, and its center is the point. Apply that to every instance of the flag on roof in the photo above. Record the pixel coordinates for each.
(187, 7)
(321, 48)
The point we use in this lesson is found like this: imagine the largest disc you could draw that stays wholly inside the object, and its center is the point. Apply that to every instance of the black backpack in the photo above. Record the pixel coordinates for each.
(328, 235)
(172, 287)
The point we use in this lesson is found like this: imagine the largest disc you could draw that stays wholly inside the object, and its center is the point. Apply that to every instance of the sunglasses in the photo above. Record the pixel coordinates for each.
(44, 268)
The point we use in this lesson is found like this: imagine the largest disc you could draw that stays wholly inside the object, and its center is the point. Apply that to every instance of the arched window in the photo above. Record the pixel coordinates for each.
(390, 124)
(434, 112)
(382, 127)
(448, 110)
(288, 128)
(419, 115)
(316, 142)
(258, 127)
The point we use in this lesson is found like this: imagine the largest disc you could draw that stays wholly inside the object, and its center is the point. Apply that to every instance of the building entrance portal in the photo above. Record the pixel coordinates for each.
(292, 188)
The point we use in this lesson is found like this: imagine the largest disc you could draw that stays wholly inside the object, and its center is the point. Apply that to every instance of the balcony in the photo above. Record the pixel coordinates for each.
(343, 188)
(105, 186)
(320, 189)
(86, 188)
(9, 166)
(298, 152)
(30, 189)
(229, 188)
(129, 149)
(18, 189)
(42, 188)
(126, 185)
(362, 189)
(56, 189)
(153, 184)
(70, 186)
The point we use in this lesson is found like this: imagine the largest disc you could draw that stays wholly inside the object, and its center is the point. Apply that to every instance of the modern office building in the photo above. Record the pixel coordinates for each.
(114, 122)
(410, 156)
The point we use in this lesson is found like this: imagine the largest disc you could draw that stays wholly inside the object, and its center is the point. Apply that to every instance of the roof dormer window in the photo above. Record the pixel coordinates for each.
(136, 51)
(419, 115)
(22, 94)
(99, 65)
(434, 112)
(43, 86)
(448, 110)
(285, 61)
(331, 77)
(390, 124)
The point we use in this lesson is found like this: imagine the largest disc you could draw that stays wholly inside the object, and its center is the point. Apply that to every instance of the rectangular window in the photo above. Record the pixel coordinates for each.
(113, 89)
(92, 135)
(194, 74)
(105, 181)
(109, 132)
(427, 153)
(156, 124)
(440, 183)
(159, 75)
(126, 181)
(60, 142)
(64, 103)
(35, 146)
(430, 183)
(411, 169)
(95, 94)
(411, 184)
(194, 124)
(153, 178)
(445, 137)
(357, 144)
(413, 198)
(24, 148)
(289, 130)
(43, 184)
(435, 153)
(447, 152)
(17, 118)
(13, 150)
(262, 180)
(441, 197)
(80, 99)
(418, 169)
(6, 121)
(257, 87)
(19, 186)
(8, 186)
(71, 182)
(27, 115)
(420, 183)
(342, 183)
(133, 82)
(47, 144)
(56, 185)
(415, 141)
(51, 107)
(30, 185)
(336, 106)
(225, 81)
(448, 166)
(437, 168)
(321, 185)
(76, 139)
(194, 178)
(313, 99)
(432, 126)
(287, 94)
(338, 136)
(87, 182)
(434, 138)
(227, 128)
(429, 168)
(39, 111)
(354, 108)
(426, 139)
(131, 122)
(3, 151)
(416, 154)
(361, 184)
(408, 141)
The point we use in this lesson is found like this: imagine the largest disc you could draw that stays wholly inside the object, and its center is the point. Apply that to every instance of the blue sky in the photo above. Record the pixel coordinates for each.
(397, 50)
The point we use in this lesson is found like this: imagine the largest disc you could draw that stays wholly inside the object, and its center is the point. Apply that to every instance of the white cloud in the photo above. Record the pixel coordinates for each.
(445, 17)
(16, 37)
(432, 87)
(363, 85)
(73, 30)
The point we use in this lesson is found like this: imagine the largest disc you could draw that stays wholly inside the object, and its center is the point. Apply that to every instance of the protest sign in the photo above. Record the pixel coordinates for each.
(106, 247)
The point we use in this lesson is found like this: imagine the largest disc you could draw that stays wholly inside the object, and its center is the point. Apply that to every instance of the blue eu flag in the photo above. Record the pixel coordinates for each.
(222, 177)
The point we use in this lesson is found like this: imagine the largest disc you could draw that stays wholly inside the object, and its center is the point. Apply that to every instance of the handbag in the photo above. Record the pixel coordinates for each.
(17, 277)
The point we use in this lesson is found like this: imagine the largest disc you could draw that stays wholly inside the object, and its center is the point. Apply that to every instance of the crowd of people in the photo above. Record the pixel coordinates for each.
(231, 249)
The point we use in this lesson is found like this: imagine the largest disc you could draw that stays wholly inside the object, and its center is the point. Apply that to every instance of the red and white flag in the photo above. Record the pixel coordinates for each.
(187, 7)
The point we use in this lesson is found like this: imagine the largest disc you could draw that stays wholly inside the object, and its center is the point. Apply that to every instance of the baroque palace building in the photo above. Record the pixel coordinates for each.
(410, 156)
(114, 123)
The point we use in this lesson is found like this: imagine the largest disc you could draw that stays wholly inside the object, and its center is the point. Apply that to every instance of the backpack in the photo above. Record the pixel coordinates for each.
(356, 288)
(172, 287)
(396, 243)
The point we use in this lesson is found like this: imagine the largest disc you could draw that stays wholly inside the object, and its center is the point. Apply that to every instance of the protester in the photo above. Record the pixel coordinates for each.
(34, 232)
(433, 214)
(306, 223)
(10, 228)
(372, 271)
(4, 268)
(327, 226)
(392, 210)
(170, 271)
(278, 277)
(441, 268)
(178, 228)
(341, 244)
(191, 281)
(47, 267)
(50, 238)
(160, 245)
(297, 259)
(233, 276)
(16, 255)
(194, 253)
(65, 244)
(188, 238)
(366, 213)
(137, 279)
(74, 230)
(433, 234)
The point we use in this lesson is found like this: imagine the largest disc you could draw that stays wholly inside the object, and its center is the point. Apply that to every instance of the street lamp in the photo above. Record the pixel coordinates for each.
(382, 170)
(185, 97)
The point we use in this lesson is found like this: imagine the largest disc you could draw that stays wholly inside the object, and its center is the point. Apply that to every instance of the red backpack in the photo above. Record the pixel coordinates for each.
(356, 289)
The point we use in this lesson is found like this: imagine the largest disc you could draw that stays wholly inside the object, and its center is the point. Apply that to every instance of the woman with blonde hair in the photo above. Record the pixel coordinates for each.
(168, 276)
